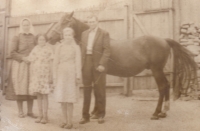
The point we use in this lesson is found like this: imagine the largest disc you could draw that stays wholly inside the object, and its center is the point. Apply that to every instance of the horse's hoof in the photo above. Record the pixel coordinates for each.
(162, 115)
(154, 118)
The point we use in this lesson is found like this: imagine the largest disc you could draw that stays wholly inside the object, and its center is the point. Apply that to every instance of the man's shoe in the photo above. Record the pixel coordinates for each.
(83, 121)
(94, 117)
(100, 120)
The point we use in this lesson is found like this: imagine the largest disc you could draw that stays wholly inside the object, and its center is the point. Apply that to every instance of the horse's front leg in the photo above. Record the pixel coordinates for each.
(163, 87)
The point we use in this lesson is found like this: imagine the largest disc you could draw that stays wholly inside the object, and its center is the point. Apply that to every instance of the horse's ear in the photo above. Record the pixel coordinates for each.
(71, 14)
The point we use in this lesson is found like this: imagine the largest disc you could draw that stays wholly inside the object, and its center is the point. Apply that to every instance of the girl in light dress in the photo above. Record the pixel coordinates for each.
(41, 62)
(67, 75)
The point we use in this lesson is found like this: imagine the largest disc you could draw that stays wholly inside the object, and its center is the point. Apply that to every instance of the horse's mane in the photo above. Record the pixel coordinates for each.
(79, 28)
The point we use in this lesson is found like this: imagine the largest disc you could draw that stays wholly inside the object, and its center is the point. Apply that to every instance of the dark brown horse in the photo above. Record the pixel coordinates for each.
(130, 57)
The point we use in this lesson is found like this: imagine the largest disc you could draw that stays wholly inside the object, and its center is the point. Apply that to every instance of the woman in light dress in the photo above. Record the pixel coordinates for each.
(18, 80)
(67, 75)
(41, 62)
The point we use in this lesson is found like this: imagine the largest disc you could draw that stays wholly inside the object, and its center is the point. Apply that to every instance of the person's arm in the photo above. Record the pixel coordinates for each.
(51, 58)
(55, 64)
(14, 50)
(51, 79)
(106, 50)
(32, 56)
(78, 62)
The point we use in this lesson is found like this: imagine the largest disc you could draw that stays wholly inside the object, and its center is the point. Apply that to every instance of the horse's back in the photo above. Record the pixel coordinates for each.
(156, 49)
(149, 40)
(130, 57)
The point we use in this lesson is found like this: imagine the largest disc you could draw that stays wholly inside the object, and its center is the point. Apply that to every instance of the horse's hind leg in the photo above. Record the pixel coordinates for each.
(163, 114)
(163, 87)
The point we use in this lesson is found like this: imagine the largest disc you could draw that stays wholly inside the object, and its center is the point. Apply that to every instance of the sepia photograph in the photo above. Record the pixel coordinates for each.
(99, 65)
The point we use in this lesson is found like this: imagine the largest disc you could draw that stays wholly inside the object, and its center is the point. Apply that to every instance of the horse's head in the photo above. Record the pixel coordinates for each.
(67, 20)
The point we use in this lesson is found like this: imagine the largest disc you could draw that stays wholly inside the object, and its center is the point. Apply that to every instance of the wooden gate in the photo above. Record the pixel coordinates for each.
(114, 21)
(120, 23)
(156, 17)
(2, 41)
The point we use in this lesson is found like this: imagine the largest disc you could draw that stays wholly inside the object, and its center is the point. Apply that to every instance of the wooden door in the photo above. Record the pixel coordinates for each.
(156, 17)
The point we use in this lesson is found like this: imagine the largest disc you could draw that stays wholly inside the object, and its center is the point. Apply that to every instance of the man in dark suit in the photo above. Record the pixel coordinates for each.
(95, 46)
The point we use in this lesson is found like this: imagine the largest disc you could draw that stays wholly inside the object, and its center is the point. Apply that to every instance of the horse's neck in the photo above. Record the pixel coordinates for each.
(79, 28)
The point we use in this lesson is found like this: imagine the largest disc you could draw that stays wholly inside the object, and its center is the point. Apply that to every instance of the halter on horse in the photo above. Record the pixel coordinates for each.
(132, 56)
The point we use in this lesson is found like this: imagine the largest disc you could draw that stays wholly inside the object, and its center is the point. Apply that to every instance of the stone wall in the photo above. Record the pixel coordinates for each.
(190, 38)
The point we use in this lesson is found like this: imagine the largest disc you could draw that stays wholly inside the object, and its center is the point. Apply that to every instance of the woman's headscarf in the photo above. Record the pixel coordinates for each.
(31, 30)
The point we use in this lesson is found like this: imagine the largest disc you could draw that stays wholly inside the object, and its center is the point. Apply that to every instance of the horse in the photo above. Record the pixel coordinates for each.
(130, 57)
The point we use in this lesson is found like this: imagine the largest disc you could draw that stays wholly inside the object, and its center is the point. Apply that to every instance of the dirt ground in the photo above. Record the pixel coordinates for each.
(123, 114)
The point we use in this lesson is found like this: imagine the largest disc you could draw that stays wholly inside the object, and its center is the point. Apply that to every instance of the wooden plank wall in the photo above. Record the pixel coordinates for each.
(113, 21)
(2, 31)
(155, 17)
(189, 11)
(1, 43)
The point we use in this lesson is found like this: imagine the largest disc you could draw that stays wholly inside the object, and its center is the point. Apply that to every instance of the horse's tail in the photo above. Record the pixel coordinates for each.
(184, 68)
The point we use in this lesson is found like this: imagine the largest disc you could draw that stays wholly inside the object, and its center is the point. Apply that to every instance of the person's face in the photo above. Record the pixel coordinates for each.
(67, 35)
(92, 22)
(41, 40)
(26, 25)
